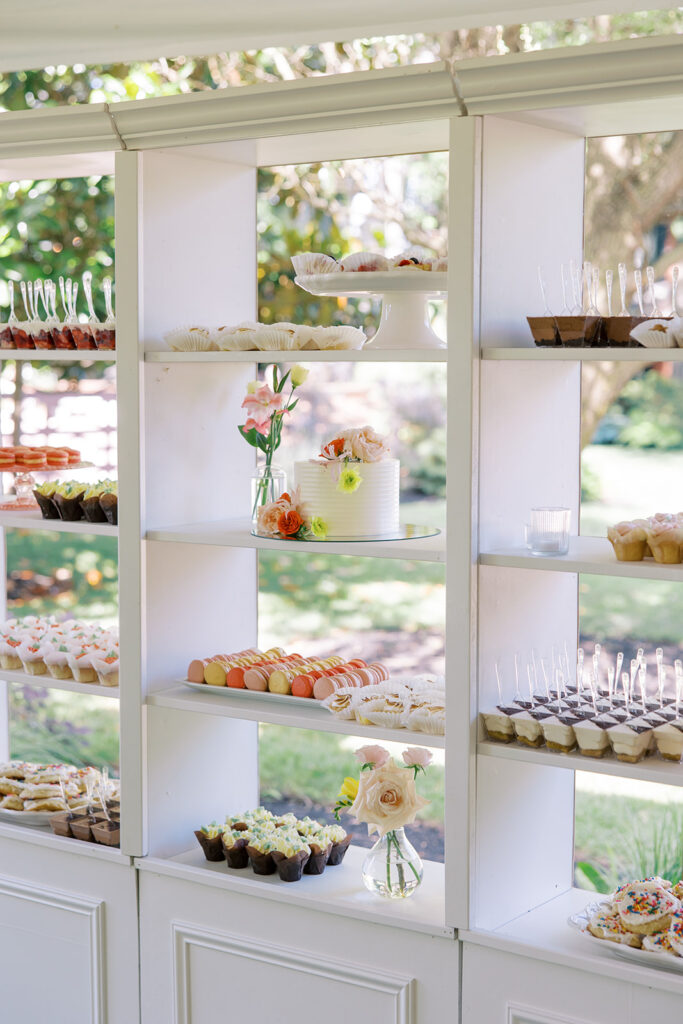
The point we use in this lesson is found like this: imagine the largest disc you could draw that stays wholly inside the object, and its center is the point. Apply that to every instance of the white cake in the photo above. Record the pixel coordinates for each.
(369, 511)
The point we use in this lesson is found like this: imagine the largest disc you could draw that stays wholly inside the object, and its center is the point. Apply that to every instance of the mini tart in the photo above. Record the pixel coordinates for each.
(645, 911)
(607, 925)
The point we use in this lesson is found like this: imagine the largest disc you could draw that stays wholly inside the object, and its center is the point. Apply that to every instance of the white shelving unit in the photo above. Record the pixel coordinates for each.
(515, 131)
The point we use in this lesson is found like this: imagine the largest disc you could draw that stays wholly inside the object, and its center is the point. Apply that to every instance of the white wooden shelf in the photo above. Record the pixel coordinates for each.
(370, 355)
(544, 934)
(339, 890)
(298, 716)
(44, 836)
(46, 681)
(651, 769)
(35, 521)
(59, 355)
(236, 533)
(567, 354)
(592, 555)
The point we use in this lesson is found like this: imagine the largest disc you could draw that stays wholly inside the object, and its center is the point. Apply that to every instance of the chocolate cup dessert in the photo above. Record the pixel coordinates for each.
(109, 503)
(236, 855)
(62, 337)
(69, 508)
(42, 338)
(338, 851)
(82, 336)
(105, 337)
(543, 329)
(290, 869)
(213, 848)
(92, 510)
(6, 340)
(261, 863)
(21, 336)
(81, 826)
(616, 330)
(47, 506)
(315, 865)
(60, 823)
(108, 833)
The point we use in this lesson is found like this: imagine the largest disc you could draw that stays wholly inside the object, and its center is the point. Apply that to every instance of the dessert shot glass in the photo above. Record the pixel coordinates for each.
(548, 531)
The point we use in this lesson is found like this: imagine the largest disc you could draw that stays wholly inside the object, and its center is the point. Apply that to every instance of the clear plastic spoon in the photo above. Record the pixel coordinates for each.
(622, 289)
(638, 278)
(609, 277)
(546, 311)
(586, 283)
(565, 308)
(674, 288)
(595, 280)
(650, 272)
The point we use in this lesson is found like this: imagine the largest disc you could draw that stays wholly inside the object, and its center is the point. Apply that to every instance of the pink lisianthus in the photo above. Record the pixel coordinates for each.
(372, 754)
(417, 757)
(258, 426)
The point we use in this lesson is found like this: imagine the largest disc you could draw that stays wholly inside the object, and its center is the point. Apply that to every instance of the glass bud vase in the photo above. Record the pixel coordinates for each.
(393, 867)
(267, 484)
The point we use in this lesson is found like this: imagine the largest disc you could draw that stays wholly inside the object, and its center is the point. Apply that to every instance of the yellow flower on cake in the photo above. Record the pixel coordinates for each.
(318, 527)
(387, 799)
(349, 480)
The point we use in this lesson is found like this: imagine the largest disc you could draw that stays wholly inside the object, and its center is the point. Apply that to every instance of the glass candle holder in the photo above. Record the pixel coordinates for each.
(548, 531)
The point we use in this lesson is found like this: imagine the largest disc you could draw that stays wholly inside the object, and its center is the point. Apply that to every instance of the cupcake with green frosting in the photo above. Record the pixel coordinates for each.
(210, 838)
(291, 854)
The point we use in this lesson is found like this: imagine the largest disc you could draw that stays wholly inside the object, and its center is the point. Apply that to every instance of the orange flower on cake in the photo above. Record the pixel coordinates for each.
(387, 798)
(289, 523)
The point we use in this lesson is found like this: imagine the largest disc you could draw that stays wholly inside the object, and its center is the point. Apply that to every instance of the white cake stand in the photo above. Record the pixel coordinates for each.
(404, 321)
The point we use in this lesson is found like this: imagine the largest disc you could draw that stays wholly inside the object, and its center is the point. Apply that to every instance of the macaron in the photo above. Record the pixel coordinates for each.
(234, 678)
(302, 686)
(279, 681)
(256, 679)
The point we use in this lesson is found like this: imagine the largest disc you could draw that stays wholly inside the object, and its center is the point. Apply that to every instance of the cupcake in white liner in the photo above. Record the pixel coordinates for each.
(31, 654)
(80, 663)
(414, 258)
(341, 338)
(675, 329)
(306, 263)
(190, 339)
(277, 338)
(107, 668)
(431, 718)
(56, 661)
(439, 265)
(342, 704)
(363, 262)
(390, 715)
(9, 656)
(654, 334)
(237, 338)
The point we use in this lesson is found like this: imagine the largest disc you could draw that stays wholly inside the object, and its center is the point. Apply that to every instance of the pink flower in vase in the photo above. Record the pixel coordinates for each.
(417, 757)
(263, 403)
(372, 754)
(258, 426)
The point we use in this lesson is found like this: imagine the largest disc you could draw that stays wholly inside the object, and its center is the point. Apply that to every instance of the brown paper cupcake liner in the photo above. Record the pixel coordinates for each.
(47, 506)
(338, 851)
(213, 848)
(92, 510)
(315, 865)
(290, 869)
(236, 855)
(262, 863)
(109, 503)
(69, 508)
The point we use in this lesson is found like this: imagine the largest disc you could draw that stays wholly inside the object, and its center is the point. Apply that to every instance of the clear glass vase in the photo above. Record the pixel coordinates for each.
(393, 867)
(267, 484)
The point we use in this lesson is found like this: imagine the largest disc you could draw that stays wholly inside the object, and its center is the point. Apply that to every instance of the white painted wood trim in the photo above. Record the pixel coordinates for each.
(34, 521)
(93, 911)
(593, 555)
(518, 1014)
(335, 356)
(398, 987)
(565, 354)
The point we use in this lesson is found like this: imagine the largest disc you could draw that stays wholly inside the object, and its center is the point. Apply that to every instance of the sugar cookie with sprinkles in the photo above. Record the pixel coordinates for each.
(660, 942)
(644, 910)
(675, 932)
(607, 925)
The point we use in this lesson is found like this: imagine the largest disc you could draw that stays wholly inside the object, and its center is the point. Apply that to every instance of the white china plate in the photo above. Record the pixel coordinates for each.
(645, 957)
(32, 818)
(374, 282)
(266, 695)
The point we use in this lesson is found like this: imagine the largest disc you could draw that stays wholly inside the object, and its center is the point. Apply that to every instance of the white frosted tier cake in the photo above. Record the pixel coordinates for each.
(370, 511)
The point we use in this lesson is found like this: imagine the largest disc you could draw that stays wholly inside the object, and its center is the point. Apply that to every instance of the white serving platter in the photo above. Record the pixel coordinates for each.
(35, 819)
(374, 282)
(644, 957)
(238, 693)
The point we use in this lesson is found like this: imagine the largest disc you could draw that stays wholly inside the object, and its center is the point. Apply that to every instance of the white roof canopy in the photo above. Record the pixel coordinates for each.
(39, 33)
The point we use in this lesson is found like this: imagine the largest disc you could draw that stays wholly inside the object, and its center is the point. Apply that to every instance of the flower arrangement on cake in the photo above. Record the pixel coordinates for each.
(385, 798)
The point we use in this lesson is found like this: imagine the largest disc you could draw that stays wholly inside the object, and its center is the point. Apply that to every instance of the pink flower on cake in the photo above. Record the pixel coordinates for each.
(365, 444)
(372, 754)
(417, 757)
(387, 799)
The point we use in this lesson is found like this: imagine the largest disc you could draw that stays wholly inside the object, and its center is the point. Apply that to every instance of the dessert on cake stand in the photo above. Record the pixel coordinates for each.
(404, 320)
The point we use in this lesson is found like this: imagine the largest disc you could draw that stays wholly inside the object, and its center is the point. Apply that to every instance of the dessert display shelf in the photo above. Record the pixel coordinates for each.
(48, 682)
(237, 533)
(603, 355)
(366, 355)
(296, 713)
(651, 769)
(43, 836)
(591, 555)
(336, 891)
(31, 519)
(404, 320)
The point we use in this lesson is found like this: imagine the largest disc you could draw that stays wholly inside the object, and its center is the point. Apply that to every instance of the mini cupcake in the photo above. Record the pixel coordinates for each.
(629, 540)
(341, 840)
(90, 504)
(235, 842)
(31, 654)
(67, 498)
(320, 846)
(341, 704)
(44, 496)
(9, 657)
(109, 503)
(260, 849)
(665, 539)
(364, 262)
(107, 668)
(80, 663)
(291, 855)
(210, 838)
